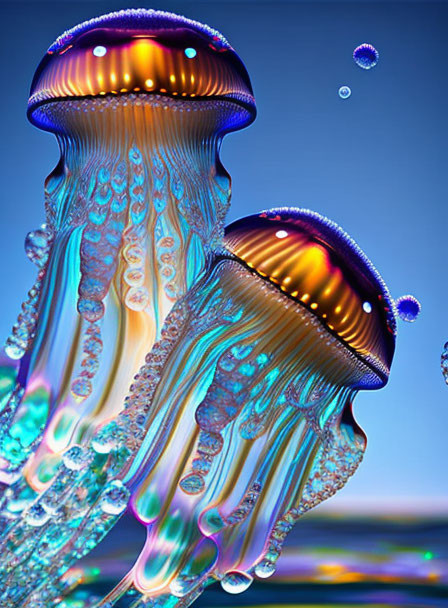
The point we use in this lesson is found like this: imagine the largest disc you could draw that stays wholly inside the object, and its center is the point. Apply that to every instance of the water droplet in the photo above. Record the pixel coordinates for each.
(134, 277)
(366, 56)
(90, 310)
(36, 246)
(265, 569)
(236, 582)
(190, 52)
(81, 388)
(137, 298)
(133, 254)
(76, 458)
(106, 438)
(210, 443)
(115, 498)
(192, 484)
(13, 350)
(408, 308)
(344, 92)
(36, 516)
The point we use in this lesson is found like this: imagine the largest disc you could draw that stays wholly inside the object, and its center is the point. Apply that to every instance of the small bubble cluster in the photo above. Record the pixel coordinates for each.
(37, 247)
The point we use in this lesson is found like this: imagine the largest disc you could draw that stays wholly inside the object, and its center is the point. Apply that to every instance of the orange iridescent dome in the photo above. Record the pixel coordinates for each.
(314, 262)
(141, 51)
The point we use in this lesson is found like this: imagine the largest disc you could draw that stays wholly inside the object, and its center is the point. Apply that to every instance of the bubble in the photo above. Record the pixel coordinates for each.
(106, 438)
(115, 498)
(344, 92)
(90, 310)
(14, 351)
(190, 53)
(366, 56)
(36, 516)
(36, 246)
(444, 362)
(236, 582)
(76, 458)
(81, 387)
(137, 298)
(192, 484)
(408, 308)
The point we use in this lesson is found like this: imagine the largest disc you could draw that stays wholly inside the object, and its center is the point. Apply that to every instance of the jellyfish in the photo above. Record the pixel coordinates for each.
(139, 101)
(239, 421)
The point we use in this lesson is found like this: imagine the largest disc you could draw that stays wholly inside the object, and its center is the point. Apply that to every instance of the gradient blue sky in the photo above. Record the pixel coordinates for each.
(375, 163)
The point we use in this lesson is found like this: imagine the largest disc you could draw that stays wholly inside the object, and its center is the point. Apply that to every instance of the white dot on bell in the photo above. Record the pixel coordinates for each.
(280, 234)
(367, 307)
(99, 51)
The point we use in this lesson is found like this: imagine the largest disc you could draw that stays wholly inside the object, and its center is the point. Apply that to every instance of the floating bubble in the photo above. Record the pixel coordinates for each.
(444, 362)
(408, 308)
(366, 56)
(344, 92)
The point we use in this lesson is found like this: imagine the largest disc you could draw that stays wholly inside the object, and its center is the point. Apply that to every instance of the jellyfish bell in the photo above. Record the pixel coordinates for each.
(316, 264)
(139, 101)
(148, 53)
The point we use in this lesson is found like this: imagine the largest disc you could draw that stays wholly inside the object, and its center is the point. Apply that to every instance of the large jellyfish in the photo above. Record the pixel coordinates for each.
(239, 421)
(139, 101)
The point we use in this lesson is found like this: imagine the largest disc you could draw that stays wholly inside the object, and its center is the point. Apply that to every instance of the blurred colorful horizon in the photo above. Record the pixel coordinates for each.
(375, 163)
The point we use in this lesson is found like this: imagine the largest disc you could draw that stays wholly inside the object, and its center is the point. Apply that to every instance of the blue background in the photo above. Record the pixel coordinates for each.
(375, 163)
